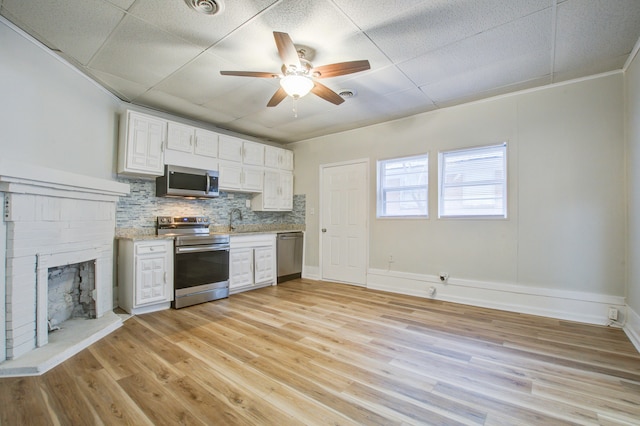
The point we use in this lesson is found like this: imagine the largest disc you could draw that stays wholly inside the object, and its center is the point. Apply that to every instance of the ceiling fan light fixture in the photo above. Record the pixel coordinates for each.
(296, 86)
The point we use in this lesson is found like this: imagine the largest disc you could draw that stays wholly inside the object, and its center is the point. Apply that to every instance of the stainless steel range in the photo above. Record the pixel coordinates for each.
(201, 260)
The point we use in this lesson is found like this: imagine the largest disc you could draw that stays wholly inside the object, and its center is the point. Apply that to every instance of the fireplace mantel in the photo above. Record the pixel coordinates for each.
(22, 178)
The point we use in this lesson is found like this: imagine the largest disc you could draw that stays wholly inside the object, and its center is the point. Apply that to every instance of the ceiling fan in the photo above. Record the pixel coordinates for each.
(299, 76)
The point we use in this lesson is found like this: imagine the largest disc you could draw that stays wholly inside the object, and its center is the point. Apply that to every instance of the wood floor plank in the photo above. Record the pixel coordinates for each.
(313, 353)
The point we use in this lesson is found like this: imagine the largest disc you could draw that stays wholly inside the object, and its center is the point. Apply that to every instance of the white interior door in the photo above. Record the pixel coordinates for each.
(344, 211)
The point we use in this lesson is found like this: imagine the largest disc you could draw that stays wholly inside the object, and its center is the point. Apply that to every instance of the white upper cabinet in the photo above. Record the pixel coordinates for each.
(206, 143)
(252, 153)
(180, 137)
(189, 146)
(241, 165)
(278, 158)
(142, 139)
(230, 148)
(277, 194)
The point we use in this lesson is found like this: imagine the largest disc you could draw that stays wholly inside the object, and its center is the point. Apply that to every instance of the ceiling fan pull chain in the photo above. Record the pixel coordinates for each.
(295, 107)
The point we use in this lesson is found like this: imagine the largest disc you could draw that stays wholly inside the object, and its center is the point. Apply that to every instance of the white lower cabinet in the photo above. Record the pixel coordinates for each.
(252, 262)
(145, 275)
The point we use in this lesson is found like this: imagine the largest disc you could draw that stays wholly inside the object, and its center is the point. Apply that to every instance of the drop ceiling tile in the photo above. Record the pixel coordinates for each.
(442, 22)
(200, 80)
(180, 107)
(592, 68)
(378, 81)
(511, 88)
(179, 19)
(252, 128)
(318, 25)
(491, 76)
(142, 53)
(594, 31)
(76, 27)
(124, 89)
(366, 13)
(123, 4)
(525, 40)
(252, 96)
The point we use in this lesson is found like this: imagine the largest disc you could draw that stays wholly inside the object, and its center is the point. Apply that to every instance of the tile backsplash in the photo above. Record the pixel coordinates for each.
(139, 209)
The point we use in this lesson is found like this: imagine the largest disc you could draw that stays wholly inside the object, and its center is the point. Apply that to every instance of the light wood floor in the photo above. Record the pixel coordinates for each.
(309, 352)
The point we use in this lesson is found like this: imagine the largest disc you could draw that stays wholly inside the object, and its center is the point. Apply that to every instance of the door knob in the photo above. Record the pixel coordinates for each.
(324, 229)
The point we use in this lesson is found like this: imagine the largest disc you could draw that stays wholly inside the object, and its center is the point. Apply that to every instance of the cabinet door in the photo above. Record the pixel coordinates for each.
(286, 160)
(230, 148)
(145, 138)
(252, 179)
(206, 143)
(264, 261)
(253, 154)
(230, 175)
(180, 137)
(272, 156)
(240, 267)
(151, 279)
(286, 191)
(271, 191)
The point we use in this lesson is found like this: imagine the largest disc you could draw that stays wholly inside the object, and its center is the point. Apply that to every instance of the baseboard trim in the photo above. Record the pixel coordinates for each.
(632, 327)
(561, 304)
(311, 272)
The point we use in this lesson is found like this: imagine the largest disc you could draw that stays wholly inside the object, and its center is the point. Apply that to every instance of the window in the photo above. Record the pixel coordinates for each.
(473, 182)
(403, 187)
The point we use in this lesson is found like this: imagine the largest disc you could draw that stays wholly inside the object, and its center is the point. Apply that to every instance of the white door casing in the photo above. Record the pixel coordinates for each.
(344, 211)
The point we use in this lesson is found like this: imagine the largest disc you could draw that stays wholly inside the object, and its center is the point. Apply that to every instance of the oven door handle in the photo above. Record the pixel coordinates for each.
(197, 249)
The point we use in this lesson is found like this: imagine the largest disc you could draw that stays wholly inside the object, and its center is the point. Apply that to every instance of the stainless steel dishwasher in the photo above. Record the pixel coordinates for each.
(289, 255)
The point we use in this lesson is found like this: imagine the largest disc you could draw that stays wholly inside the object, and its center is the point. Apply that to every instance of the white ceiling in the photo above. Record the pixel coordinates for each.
(424, 54)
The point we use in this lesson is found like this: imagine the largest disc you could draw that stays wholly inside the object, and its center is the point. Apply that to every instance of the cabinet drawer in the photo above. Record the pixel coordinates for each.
(151, 248)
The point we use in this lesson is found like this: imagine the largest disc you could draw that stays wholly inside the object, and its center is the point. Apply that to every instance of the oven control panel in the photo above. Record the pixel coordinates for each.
(187, 220)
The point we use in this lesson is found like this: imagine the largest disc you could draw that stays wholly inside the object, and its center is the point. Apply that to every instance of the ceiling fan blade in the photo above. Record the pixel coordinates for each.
(327, 94)
(277, 97)
(342, 68)
(259, 74)
(287, 50)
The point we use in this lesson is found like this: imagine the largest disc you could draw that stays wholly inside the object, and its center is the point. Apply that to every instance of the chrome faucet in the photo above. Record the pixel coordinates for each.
(231, 227)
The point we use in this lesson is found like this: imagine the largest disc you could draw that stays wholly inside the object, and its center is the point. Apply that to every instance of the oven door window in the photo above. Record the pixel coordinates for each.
(206, 267)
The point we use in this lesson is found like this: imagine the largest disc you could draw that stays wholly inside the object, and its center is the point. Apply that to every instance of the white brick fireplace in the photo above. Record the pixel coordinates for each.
(52, 218)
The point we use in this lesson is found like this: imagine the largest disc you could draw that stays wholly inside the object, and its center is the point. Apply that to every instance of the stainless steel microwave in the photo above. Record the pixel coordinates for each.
(186, 182)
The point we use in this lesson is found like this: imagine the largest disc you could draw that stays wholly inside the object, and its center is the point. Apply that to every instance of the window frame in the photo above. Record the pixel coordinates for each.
(505, 182)
(380, 190)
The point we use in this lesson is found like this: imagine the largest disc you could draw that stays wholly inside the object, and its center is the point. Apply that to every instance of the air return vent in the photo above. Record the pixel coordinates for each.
(206, 7)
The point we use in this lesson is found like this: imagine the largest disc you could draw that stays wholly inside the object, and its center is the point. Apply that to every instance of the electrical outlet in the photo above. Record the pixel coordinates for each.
(613, 314)
(248, 204)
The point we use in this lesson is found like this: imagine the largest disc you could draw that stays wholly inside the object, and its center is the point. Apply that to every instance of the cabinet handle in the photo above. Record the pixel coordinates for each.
(165, 277)
(151, 249)
(195, 141)
(161, 146)
(191, 140)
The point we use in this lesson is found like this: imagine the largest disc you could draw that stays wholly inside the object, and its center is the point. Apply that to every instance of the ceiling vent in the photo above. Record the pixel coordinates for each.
(347, 93)
(206, 7)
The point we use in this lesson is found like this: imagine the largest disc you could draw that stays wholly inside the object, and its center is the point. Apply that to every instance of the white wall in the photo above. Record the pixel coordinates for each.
(49, 114)
(633, 171)
(566, 207)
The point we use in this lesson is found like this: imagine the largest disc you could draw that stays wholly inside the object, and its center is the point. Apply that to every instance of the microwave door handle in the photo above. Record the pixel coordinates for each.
(208, 184)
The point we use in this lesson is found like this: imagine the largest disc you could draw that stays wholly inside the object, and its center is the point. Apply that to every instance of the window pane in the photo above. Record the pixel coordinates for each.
(402, 186)
(473, 182)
